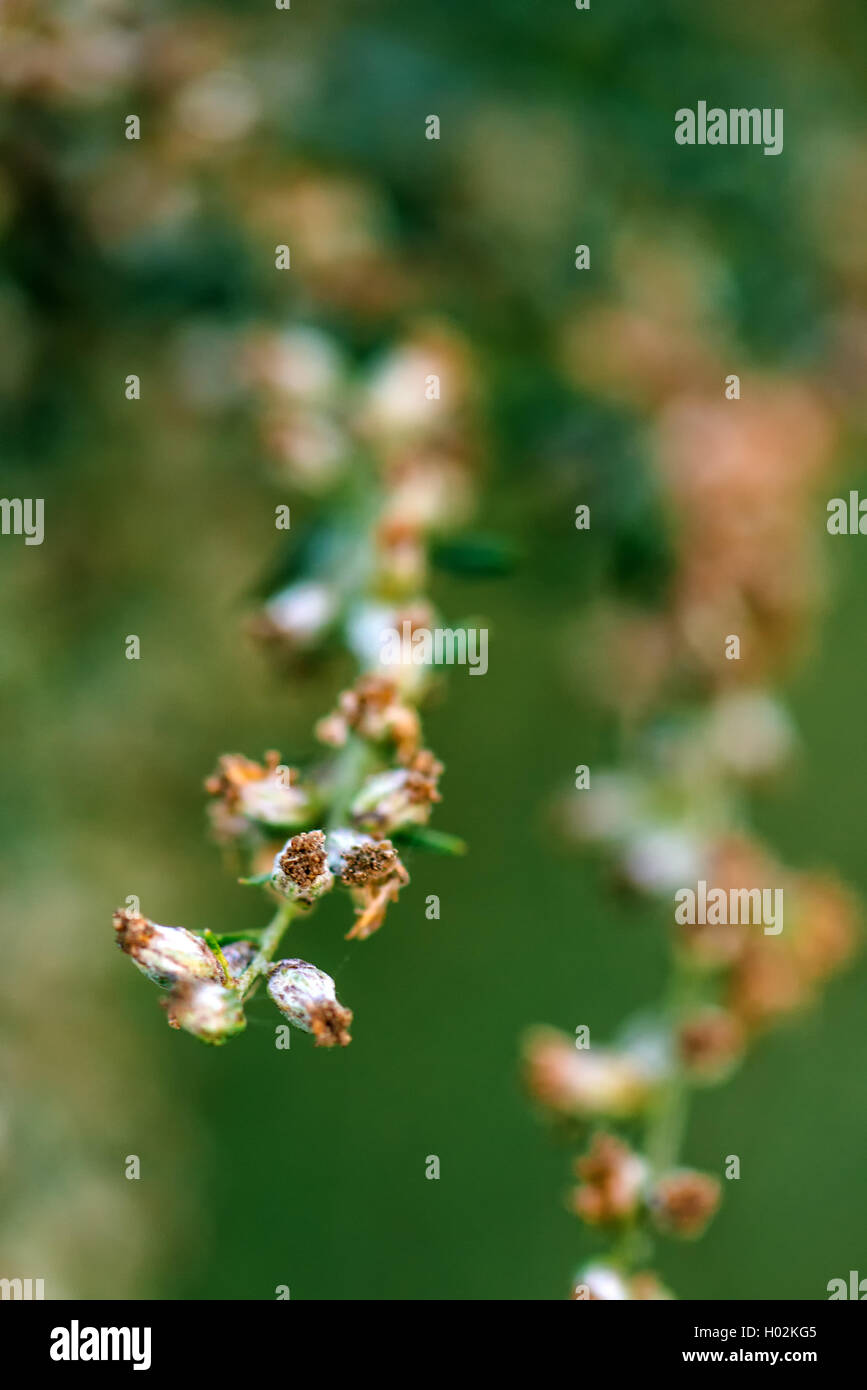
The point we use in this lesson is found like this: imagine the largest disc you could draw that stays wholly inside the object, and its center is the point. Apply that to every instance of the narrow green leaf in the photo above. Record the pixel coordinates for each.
(436, 841)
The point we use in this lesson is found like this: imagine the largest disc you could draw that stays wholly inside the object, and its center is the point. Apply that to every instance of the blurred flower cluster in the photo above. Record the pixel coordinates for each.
(739, 466)
(674, 815)
(383, 445)
(701, 729)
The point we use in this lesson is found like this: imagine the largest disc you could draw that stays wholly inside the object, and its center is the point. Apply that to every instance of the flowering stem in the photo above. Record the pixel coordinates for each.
(667, 1120)
(666, 1125)
(271, 938)
(351, 767)
(632, 1247)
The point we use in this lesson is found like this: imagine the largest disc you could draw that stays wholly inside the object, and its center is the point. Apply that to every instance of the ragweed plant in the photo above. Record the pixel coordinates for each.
(751, 941)
(392, 472)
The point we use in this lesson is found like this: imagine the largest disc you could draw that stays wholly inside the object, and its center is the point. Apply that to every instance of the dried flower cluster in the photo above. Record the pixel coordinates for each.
(383, 454)
(700, 733)
(339, 825)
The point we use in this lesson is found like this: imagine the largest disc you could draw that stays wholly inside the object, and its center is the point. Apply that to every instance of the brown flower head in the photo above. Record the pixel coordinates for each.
(359, 859)
(301, 869)
(825, 935)
(765, 983)
(734, 863)
(373, 709)
(267, 795)
(613, 1179)
(372, 870)
(741, 482)
(403, 796)
(683, 1202)
(710, 1043)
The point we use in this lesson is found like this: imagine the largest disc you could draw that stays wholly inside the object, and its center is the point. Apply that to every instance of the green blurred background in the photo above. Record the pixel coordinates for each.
(262, 1168)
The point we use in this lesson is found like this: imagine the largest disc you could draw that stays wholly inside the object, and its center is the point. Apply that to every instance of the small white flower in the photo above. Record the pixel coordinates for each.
(660, 860)
(302, 612)
(601, 1282)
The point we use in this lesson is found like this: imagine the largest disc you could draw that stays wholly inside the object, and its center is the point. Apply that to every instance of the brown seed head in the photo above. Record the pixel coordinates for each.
(303, 860)
(329, 1024)
(423, 774)
(368, 863)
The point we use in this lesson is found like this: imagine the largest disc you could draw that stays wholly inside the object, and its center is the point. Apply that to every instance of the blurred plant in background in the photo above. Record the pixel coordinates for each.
(156, 256)
(700, 730)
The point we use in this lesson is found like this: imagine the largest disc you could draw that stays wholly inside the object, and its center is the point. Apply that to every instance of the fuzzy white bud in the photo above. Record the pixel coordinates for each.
(307, 997)
(167, 955)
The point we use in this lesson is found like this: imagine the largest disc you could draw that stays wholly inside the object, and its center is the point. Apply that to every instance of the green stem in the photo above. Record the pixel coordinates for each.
(666, 1124)
(270, 940)
(632, 1247)
(351, 765)
(667, 1120)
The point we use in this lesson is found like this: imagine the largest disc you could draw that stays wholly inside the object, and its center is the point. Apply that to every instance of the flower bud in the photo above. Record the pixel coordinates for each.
(205, 1009)
(402, 796)
(167, 955)
(580, 1083)
(613, 1181)
(659, 858)
(373, 708)
(765, 984)
(300, 614)
(238, 955)
(611, 810)
(826, 927)
(307, 997)
(268, 794)
(684, 1201)
(710, 1042)
(277, 800)
(600, 1283)
(748, 733)
(301, 870)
